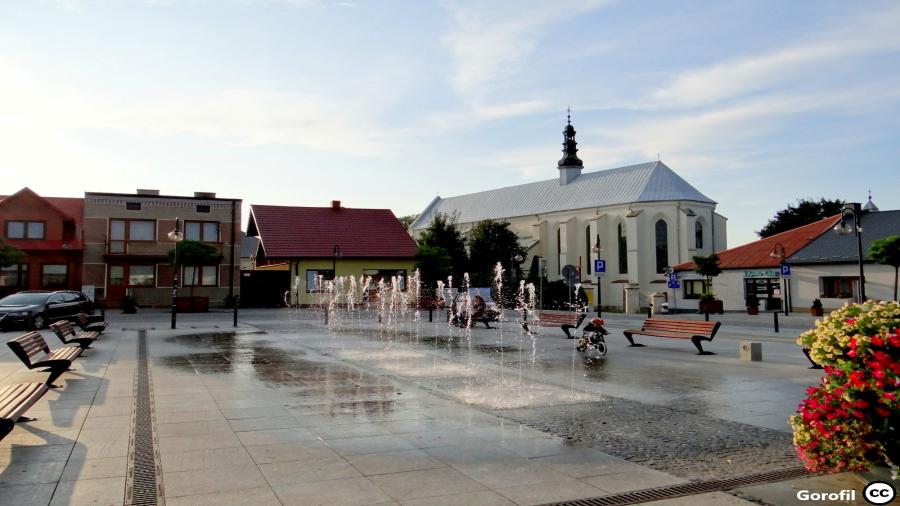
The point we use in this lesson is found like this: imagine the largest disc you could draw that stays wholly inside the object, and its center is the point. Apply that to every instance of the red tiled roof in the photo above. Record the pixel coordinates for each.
(313, 232)
(757, 254)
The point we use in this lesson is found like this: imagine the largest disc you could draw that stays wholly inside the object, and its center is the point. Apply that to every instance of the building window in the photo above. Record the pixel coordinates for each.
(559, 256)
(201, 275)
(14, 275)
(54, 275)
(623, 248)
(202, 208)
(835, 287)
(123, 231)
(693, 288)
(315, 279)
(388, 275)
(116, 275)
(141, 275)
(204, 231)
(133, 206)
(24, 229)
(662, 246)
(698, 235)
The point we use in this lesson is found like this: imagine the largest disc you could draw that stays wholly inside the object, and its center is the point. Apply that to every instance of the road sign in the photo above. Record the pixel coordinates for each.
(599, 265)
(785, 270)
(570, 274)
(673, 281)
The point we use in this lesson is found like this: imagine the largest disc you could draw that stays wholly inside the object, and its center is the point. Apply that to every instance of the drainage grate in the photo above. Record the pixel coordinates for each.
(144, 485)
(687, 489)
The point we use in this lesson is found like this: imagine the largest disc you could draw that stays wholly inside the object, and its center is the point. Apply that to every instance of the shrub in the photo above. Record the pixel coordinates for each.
(850, 420)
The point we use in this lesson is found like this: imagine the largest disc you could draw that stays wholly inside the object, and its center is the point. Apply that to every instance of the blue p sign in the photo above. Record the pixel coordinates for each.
(599, 265)
(785, 270)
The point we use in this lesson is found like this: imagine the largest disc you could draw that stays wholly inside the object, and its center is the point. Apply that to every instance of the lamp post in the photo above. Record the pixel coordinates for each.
(176, 236)
(854, 210)
(778, 252)
(336, 253)
(597, 249)
(514, 262)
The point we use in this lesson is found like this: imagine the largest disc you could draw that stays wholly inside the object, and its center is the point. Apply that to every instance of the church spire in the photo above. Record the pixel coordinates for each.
(870, 206)
(569, 165)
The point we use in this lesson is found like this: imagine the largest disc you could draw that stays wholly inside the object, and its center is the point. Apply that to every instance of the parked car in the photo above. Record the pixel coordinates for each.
(37, 308)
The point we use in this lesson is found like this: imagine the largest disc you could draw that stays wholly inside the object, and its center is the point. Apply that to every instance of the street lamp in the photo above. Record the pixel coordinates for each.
(336, 253)
(598, 249)
(778, 252)
(845, 227)
(176, 236)
(515, 261)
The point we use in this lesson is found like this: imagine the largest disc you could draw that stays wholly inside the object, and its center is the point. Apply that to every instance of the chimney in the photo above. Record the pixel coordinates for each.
(204, 195)
(336, 205)
(143, 191)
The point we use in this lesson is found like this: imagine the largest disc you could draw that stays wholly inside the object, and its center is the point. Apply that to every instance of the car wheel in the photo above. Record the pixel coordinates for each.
(39, 322)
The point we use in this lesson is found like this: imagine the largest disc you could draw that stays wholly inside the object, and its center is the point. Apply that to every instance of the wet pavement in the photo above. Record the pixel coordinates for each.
(284, 410)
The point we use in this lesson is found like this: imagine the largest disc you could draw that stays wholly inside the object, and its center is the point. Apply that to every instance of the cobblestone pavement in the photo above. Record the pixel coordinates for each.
(681, 443)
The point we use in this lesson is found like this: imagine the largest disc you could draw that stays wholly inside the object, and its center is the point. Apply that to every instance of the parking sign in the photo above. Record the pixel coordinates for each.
(599, 265)
(673, 281)
(785, 270)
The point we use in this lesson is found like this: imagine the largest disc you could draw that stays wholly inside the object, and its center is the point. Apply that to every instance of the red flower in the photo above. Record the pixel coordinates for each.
(883, 412)
(861, 404)
(877, 341)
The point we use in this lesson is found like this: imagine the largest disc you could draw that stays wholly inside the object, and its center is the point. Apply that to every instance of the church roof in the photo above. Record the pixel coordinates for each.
(645, 182)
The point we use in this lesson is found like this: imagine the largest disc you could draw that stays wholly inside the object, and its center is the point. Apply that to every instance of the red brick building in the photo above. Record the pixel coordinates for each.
(49, 231)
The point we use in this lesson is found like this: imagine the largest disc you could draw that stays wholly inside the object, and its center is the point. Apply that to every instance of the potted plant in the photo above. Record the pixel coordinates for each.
(816, 308)
(752, 304)
(708, 267)
(193, 254)
(129, 305)
(709, 303)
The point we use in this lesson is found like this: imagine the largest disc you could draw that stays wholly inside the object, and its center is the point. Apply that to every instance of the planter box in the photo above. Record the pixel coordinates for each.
(192, 304)
(753, 310)
(817, 311)
(712, 306)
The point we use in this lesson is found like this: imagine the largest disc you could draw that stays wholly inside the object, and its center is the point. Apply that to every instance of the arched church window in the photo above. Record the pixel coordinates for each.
(662, 246)
(623, 249)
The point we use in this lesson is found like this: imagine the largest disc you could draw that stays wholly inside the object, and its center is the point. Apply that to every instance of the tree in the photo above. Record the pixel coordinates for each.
(434, 263)
(491, 242)
(886, 251)
(408, 220)
(443, 233)
(708, 267)
(194, 254)
(10, 255)
(805, 212)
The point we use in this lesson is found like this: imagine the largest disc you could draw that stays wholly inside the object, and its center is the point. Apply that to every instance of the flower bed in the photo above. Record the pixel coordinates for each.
(850, 422)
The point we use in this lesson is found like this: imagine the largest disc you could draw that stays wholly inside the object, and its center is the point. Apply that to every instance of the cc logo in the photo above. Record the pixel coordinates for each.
(879, 492)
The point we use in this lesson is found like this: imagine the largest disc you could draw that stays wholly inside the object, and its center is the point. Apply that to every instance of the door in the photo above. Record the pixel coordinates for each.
(115, 285)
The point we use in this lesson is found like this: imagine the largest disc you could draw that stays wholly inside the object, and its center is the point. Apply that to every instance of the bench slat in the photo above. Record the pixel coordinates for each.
(16, 399)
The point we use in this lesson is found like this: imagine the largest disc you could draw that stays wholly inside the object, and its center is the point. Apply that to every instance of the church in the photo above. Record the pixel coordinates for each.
(640, 219)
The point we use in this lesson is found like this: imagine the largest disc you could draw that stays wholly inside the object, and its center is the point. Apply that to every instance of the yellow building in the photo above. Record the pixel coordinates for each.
(318, 243)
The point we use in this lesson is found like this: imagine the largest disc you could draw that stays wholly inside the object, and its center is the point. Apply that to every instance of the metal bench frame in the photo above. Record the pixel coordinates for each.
(566, 321)
(64, 329)
(32, 345)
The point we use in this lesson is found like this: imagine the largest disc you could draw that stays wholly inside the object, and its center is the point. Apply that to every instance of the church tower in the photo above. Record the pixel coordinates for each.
(570, 165)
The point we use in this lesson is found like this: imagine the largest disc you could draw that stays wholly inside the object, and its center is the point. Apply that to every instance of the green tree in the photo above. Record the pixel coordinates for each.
(408, 220)
(10, 255)
(193, 254)
(491, 242)
(434, 263)
(708, 267)
(886, 251)
(805, 212)
(443, 233)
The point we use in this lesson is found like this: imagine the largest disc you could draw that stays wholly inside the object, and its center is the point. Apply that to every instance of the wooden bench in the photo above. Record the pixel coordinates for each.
(696, 331)
(14, 401)
(65, 331)
(33, 351)
(565, 320)
(91, 323)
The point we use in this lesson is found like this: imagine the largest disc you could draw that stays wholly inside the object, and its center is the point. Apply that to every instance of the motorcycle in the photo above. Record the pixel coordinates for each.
(593, 337)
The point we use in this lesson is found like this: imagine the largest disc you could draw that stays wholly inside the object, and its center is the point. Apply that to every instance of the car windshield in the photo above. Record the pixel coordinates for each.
(24, 299)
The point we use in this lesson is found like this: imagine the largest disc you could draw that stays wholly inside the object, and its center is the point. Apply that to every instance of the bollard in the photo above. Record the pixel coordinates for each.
(326, 316)
(430, 314)
(706, 315)
(751, 351)
(649, 312)
(776, 320)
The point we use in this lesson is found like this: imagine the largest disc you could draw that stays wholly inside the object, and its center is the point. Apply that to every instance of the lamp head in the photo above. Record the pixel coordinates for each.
(519, 258)
(175, 235)
(843, 228)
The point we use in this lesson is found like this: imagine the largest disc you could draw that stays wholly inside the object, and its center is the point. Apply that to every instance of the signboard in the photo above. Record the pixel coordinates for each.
(785, 270)
(673, 281)
(599, 266)
(768, 273)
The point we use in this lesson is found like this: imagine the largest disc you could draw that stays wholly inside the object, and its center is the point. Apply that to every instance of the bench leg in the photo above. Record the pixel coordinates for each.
(525, 327)
(814, 365)
(696, 340)
(486, 323)
(631, 341)
(23, 419)
(565, 328)
(56, 372)
(6, 426)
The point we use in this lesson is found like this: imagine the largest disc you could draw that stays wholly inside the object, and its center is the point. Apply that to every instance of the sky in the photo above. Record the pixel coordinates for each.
(387, 103)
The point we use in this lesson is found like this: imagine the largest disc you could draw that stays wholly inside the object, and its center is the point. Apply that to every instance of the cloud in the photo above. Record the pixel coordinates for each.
(866, 34)
(492, 40)
(470, 117)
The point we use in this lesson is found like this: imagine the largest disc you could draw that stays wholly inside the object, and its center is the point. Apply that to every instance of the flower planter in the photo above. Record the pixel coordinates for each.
(192, 304)
(753, 310)
(816, 311)
(712, 306)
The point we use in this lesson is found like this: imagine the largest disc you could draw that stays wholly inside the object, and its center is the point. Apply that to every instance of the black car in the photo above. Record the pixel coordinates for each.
(36, 309)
